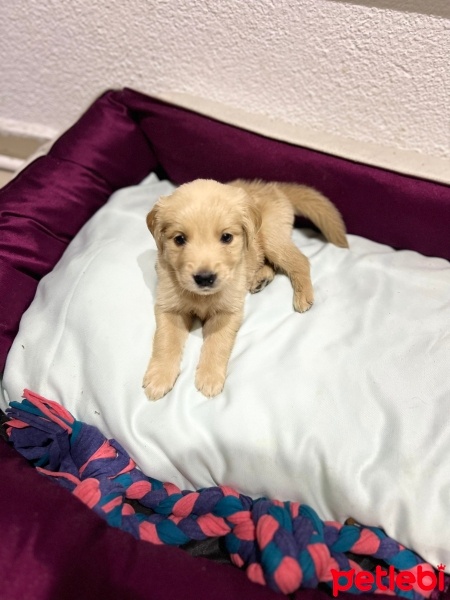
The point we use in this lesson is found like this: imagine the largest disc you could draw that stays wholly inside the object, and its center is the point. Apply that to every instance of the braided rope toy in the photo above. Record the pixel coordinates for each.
(282, 544)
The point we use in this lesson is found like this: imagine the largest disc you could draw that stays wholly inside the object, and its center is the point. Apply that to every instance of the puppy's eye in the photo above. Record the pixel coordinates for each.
(179, 240)
(226, 238)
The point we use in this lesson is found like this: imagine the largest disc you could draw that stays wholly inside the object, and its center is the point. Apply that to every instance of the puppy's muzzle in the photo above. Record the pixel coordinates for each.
(205, 279)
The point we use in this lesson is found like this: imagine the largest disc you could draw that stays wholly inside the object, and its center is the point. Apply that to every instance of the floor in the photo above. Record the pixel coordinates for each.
(17, 147)
(5, 176)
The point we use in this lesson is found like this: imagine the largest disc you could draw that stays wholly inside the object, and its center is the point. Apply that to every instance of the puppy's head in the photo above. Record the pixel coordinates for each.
(202, 231)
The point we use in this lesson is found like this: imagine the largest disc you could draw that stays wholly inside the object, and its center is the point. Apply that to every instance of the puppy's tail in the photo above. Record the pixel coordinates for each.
(306, 201)
(313, 205)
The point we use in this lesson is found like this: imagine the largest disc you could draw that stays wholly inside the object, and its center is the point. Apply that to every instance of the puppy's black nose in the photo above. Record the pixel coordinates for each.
(205, 279)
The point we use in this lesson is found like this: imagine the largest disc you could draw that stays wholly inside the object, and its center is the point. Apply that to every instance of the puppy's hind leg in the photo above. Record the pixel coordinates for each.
(164, 366)
(287, 257)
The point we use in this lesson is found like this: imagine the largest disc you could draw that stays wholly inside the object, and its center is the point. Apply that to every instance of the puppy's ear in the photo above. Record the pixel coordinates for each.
(155, 225)
(251, 222)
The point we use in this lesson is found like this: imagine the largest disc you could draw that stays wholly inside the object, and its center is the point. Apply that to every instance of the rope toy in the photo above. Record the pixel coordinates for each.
(282, 544)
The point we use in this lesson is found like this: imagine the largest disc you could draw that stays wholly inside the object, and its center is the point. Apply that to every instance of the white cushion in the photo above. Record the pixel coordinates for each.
(343, 408)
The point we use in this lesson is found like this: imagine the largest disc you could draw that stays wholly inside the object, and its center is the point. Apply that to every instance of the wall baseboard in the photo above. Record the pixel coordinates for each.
(10, 163)
(19, 141)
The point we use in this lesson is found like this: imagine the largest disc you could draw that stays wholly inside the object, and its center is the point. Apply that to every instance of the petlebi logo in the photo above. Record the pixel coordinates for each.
(422, 579)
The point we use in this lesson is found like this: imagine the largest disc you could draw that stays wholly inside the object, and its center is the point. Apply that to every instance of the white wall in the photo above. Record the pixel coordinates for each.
(349, 73)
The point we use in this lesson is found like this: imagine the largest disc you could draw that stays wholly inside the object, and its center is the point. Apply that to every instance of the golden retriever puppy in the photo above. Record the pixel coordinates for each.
(215, 243)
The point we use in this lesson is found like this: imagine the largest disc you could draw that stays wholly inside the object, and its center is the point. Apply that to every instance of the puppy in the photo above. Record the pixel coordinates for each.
(215, 243)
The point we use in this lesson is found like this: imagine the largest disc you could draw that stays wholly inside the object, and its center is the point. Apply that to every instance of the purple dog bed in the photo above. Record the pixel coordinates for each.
(52, 545)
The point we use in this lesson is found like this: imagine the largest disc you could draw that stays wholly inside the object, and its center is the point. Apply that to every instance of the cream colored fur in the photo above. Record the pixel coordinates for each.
(232, 238)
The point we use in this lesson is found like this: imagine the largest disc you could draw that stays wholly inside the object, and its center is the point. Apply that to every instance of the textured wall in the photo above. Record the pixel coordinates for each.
(361, 72)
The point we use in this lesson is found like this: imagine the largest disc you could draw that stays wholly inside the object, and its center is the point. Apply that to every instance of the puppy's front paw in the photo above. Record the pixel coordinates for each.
(158, 381)
(303, 299)
(209, 382)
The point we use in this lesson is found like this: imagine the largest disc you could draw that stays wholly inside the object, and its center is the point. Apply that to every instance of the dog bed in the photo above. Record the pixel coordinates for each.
(399, 484)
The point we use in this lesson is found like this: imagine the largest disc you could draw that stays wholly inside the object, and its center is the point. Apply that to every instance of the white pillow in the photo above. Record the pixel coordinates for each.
(343, 408)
